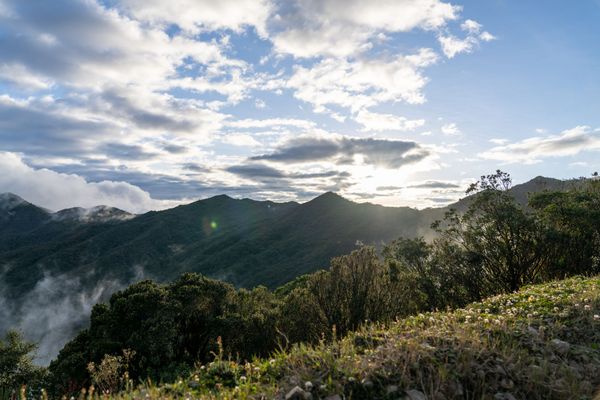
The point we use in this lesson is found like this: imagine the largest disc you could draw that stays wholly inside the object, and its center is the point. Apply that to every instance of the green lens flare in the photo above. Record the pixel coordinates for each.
(213, 224)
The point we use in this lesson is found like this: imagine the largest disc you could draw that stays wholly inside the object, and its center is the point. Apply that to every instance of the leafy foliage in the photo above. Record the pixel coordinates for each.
(495, 246)
(16, 365)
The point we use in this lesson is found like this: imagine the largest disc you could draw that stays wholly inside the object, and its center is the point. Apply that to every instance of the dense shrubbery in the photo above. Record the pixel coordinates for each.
(16, 366)
(495, 247)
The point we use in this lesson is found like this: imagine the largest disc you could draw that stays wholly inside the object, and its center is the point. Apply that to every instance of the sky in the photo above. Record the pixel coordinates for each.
(146, 104)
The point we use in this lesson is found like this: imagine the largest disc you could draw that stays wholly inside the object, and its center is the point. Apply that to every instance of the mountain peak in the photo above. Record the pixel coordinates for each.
(8, 201)
(94, 214)
(329, 197)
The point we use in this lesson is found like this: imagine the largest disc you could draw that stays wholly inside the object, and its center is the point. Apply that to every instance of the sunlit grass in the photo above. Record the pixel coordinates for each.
(540, 343)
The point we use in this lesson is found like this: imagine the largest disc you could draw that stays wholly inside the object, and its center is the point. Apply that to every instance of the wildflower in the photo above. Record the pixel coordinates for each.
(587, 307)
(596, 316)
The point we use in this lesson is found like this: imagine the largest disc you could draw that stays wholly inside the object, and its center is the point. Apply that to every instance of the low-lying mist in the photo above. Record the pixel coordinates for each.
(56, 309)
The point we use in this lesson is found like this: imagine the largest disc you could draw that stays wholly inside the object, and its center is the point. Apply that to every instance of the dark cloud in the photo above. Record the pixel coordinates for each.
(127, 152)
(122, 106)
(175, 148)
(434, 185)
(380, 152)
(254, 171)
(388, 188)
(194, 167)
(441, 200)
(33, 131)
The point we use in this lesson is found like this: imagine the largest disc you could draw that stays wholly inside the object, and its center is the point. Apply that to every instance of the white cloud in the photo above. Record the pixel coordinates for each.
(471, 26)
(362, 83)
(203, 15)
(498, 141)
(21, 76)
(56, 191)
(240, 139)
(452, 45)
(345, 27)
(386, 122)
(270, 123)
(450, 129)
(487, 37)
(533, 150)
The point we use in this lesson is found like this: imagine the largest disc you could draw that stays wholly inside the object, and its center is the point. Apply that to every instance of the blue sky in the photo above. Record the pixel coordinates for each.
(139, 105)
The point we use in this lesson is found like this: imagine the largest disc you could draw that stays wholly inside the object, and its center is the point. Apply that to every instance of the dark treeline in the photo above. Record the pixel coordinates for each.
(496, 246)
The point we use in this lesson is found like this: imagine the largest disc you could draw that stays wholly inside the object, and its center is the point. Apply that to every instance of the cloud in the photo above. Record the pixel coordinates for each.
(341, 28)
(57, 308)
(450, 129)
(239, 139)
(270, 123)
(434, 185)
(533, 150)
(195, 16)
(58, 191)
(344, 150)
(259, 171)
(18, 74)
(472, 27)
(362, 83)
(386, 122)
(452, 45)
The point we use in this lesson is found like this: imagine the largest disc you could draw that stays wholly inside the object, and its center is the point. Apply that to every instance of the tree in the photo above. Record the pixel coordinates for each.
(496, 240)
(16, 365)
(574, 218)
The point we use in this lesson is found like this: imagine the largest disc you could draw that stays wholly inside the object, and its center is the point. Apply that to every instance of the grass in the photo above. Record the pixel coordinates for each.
(540, 343)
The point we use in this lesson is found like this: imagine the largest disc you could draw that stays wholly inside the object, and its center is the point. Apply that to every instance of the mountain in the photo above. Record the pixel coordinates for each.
(93, 215)
(63, 263)
(18, 215)
(245, 242)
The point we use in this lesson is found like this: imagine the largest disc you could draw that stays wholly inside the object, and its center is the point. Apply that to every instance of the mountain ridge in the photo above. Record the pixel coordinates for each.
(242, 241)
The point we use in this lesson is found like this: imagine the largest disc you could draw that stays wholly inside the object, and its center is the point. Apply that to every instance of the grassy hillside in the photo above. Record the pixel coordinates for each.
(540, 343)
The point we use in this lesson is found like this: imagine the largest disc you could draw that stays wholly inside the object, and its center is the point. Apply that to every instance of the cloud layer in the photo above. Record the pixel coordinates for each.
(132, 102)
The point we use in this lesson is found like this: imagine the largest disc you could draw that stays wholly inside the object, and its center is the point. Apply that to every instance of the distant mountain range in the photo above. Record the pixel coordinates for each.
(244, 242)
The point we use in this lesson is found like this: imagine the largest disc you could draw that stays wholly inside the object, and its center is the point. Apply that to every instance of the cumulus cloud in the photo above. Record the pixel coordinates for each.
(344, 150)
(362, 83)
(533, 150)
(450, 129)
(386, 122)
(452, 45)
(203, 15)
(139, 90)
(434, 185)
(260, 171)
(342, 28)
(57, 191)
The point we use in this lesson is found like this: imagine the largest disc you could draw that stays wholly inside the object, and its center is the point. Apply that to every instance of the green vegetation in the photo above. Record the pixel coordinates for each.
(542, 342)
(16, 366)
(162, 331)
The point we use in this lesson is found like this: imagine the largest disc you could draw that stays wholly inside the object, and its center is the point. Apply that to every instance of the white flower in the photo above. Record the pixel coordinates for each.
(596, 316)
(587, 307)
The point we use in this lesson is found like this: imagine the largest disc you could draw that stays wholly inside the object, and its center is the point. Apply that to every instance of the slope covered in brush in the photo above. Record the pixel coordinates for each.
(542, 342)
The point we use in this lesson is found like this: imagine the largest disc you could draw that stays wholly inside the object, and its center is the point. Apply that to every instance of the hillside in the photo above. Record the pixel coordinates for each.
(540, 343)
(67, 261)
(245, 242)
